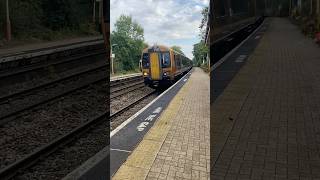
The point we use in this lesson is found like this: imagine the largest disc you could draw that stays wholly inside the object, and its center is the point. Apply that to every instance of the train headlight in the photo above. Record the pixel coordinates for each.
(165, 74)
(145, 74)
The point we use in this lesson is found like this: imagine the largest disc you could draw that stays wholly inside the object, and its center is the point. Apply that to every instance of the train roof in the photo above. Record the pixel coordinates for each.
(157, 48)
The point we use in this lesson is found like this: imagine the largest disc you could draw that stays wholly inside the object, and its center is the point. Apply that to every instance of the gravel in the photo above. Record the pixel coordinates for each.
(41, 95)
(36, 81)
(122, 101)
(116, 121)
(36, 128)
(68, 158)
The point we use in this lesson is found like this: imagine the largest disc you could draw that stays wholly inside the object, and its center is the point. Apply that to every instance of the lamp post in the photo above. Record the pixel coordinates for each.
(8, 24)
(112, 57)
(94, 12)
(290, 8)
(311, 7)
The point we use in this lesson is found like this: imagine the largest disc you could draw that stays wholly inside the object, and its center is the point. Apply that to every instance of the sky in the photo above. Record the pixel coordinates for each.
(165, 22)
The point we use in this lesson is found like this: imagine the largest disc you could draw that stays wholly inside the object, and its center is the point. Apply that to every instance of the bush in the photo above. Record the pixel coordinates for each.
(48, 19)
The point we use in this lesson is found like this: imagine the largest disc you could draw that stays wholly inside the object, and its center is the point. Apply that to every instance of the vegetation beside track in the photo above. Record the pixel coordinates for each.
(127, 41)
(200, 49)
(47, 20)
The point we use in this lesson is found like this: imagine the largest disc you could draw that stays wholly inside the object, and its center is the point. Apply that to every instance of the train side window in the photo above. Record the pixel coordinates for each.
(145, 60)
(176, 60)
(182, 61)
(178, 63)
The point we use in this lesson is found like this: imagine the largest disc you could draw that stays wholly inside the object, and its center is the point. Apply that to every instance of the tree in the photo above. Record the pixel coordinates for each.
(203, 24)
(145, 45)
(47, 19)
(128, 35)
(199, 52)
(178, 49)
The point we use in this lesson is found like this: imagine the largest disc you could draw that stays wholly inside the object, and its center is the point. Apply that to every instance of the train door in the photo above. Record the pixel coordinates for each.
(155, 66)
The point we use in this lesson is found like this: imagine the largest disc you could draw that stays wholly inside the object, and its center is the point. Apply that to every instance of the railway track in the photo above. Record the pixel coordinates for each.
(125, 87)
(227, 43)
(30, 126)
(125, 81)
(61, 142)
(50, 91)
(18, 68)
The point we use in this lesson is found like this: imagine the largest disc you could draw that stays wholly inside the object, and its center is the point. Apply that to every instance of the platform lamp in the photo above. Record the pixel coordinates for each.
(8, 24)
(112, 58)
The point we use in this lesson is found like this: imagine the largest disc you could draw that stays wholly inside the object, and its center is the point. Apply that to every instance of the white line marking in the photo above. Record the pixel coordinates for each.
(120, 150)
(240, 58)
(125, 76)
(217, 64)
(141, 110)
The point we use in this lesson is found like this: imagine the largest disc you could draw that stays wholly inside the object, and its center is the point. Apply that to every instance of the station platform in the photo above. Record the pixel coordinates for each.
(177, 145)
(119, 77)
(12, 50)
(265, 124)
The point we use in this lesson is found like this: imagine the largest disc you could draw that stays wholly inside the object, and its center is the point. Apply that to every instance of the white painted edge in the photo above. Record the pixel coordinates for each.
(125, 76)
(144, 108)
(217, 64)
(121, 150)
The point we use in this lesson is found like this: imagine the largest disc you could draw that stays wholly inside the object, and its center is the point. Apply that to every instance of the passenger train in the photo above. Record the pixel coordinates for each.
(161, 65)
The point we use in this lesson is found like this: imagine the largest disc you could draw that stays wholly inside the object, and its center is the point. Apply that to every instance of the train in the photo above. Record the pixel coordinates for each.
(161, 66)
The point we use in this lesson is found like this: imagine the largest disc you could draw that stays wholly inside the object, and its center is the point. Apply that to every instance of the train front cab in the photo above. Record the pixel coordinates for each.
(157, 68)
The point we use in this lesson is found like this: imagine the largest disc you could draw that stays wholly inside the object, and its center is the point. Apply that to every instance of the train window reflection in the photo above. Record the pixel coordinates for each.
(145, 60)
(165, 59)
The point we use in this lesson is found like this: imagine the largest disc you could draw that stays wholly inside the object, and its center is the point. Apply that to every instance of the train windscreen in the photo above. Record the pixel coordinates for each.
(145, 60)
(165, 59)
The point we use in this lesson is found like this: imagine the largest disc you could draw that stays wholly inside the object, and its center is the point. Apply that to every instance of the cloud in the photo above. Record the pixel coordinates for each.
(167, 22)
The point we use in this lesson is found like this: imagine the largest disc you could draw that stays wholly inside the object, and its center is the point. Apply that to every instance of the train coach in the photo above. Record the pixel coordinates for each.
(161, 65)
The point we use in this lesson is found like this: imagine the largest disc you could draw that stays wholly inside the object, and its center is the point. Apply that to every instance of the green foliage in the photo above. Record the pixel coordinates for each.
(25, 17)
(129, 40)
(178, 49)
(145, 45)
(203, 24)
(48, 19)
(199, 52)
(59, 14)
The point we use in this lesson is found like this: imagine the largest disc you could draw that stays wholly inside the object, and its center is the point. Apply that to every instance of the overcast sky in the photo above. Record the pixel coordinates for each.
(166, 22)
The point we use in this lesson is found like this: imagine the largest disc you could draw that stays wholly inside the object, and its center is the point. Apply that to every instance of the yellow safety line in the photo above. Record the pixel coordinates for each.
(140, 161)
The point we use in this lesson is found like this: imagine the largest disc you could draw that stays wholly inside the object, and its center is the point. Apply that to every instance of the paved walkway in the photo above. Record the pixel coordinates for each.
(266, 123)
(177, 146)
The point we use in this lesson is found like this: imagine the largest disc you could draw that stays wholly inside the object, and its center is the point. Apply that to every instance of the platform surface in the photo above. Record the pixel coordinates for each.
(18, 49)
(124, 76)
(266, 122)
(177, 146)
